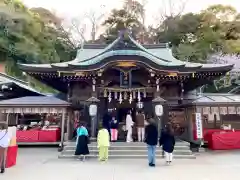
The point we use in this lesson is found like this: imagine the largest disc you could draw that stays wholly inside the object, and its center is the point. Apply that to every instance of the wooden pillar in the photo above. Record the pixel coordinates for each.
(68, 125)
(7, 120)
(62, 128)
(17, 118)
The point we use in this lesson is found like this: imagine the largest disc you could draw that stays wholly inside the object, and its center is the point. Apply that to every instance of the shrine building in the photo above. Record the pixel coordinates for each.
(127, 75)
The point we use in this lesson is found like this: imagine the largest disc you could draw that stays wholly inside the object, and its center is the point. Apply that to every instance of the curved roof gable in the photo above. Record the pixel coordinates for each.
(96, 55)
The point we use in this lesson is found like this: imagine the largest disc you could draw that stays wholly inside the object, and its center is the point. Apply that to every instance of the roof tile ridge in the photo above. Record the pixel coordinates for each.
(147, 51)
(104, 50)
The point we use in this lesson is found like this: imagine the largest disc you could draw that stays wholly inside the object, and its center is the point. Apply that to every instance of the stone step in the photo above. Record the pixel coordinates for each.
(132, 148)
(135, 144)
(130, 152)
(119, 156)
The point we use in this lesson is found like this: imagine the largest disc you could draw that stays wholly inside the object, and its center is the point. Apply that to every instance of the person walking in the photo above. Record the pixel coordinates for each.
(82, 142)
(167, 141)
(4, 143)
(151, 139)
(103, 143)
(129, 127)
(140, 124)
(114, 129)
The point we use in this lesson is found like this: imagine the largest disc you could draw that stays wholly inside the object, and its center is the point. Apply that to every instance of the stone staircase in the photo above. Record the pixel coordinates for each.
(123, 150)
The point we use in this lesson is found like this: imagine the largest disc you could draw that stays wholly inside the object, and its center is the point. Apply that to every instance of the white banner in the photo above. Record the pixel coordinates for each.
(199, 128)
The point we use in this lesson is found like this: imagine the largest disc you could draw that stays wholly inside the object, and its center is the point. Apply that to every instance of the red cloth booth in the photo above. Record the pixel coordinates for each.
(51, 135)
(207, 133)
(27, 136)
(225, 141)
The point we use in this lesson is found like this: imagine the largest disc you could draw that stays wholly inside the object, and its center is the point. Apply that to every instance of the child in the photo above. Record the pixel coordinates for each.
(103, 144)
(114, 129)
(167, 140)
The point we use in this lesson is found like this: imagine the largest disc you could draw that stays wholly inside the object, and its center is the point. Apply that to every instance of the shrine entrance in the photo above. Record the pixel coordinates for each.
(122, 110)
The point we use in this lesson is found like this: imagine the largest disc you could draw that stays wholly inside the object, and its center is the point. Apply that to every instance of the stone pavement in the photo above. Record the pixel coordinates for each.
(42, 164)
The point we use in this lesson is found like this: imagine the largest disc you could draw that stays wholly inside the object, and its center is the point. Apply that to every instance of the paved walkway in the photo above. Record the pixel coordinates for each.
(42, 164)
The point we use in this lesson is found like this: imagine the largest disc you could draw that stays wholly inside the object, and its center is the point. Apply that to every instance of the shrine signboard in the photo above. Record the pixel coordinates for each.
(199, 127)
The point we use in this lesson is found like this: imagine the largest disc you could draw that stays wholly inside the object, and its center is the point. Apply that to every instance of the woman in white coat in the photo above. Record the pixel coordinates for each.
(129, 126)
(4, 142)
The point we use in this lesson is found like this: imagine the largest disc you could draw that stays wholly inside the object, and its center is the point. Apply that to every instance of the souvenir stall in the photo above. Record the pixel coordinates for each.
(39, 120)
(220, 120)
(45, 127)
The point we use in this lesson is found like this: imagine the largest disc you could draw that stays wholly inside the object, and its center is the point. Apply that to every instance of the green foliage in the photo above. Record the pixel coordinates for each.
(31, 36)
(193, 36)
(36, 35)
(196, 36)
(129, 17)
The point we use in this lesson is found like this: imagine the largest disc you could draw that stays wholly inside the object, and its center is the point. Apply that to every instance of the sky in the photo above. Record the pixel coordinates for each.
(77, 8)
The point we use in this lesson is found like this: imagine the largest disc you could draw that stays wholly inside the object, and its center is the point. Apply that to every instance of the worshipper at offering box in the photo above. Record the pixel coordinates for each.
(114, 129)
(140, 124)
(129, 127)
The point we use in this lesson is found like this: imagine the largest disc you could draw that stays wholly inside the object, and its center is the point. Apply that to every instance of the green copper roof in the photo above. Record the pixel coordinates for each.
(105, 55)
(122, 46)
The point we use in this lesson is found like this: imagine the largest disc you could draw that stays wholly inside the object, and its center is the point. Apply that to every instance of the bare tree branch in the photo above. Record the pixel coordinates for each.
(182, 7)
(170, 9)
(95, 19)
(76, 28)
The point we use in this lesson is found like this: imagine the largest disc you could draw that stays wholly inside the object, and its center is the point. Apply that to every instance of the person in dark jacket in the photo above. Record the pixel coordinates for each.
(107, 118)
(167, 141)
(151, 139)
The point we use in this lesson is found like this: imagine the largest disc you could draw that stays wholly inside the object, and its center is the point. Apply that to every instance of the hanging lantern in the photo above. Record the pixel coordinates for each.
(105, 93)
(139, 96)
(115, 95)
(130, 99)
(120, 98)
(109, 97)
